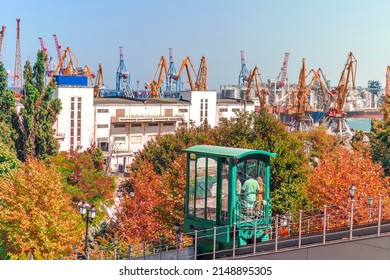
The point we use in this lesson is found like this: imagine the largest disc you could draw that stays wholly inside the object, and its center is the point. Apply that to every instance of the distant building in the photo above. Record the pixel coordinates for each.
(75, 125)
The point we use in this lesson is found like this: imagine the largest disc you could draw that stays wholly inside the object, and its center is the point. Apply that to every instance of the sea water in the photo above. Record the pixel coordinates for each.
(360, 123)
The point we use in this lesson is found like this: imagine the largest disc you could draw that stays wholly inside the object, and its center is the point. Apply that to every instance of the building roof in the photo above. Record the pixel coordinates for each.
(138, 101)
(229, 152)
(232, 101)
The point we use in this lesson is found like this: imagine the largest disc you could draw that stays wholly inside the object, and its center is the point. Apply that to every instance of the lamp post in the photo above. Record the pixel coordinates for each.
(352, 191)
(75, 251)
(370, 200)
(88, 214)
(264, 203)
(177, 230)
(115, 241)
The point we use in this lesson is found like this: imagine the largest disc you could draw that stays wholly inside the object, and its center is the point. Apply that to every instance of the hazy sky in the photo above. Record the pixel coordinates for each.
(323, 32)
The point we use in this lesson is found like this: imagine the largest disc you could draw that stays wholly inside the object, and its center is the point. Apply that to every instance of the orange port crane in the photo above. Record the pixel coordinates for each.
(59, 64)
(201, 78)
(155, 85)
(300, 94)
(340, 92)
(99, 81)
(261, 90)
(2, 32)
(188, 66)
(71, 68)
(336, 115)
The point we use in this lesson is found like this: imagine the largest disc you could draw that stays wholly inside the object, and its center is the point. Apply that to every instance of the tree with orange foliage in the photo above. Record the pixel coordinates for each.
(157, 204)
(330, 183)
(36, 214)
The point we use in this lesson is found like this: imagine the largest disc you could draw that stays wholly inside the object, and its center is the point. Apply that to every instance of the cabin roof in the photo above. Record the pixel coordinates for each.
(229, 152)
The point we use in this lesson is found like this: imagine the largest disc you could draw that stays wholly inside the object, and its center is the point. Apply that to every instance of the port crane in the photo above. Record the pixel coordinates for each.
(300, 95)
(47, 61)
(155, 85)
(260, 88)
(188, 66)
(99, 82)
(71, 68)
(283, 73)
(59, 50)
(336, 114)
(201, 78)
(2, 32)
(173, 86)
(244, 73)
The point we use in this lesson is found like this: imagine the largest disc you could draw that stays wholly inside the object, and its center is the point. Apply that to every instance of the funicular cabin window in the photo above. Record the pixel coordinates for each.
(250, 186)
(191, 188)
(224, 192)
(205, 189)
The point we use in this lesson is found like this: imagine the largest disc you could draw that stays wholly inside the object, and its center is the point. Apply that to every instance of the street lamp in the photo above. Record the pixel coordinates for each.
(352, 192)
(370, 200)
(177, 230)
(87, 213)
(264, 203)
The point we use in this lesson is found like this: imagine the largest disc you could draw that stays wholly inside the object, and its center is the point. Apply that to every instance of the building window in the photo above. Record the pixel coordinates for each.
(103, 146)
(120, 125)
(120, 112)
(168, 124)
(183, 110)
(75, 126)
(102, 125)
(152, 124)
(136, 125)
(169, 112)
(235, 109)
(203, 110)
(120, 139)
(102, 110)
(223, 109)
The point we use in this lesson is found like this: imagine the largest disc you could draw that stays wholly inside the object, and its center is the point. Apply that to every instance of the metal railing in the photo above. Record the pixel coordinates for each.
(314, 227)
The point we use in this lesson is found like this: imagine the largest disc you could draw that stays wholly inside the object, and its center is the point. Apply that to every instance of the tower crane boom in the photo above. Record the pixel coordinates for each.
(154, 85)
(99, 81)
(348, 75)
(59, 50)
(47, 61)
(201, 79)
(261, 90)
(244, 73)
(188, 66)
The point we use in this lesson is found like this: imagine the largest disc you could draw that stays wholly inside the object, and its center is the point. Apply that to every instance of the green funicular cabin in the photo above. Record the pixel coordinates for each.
(227, 186)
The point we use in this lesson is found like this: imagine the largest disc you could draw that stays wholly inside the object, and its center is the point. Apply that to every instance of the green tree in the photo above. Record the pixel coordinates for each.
(7, 111)
(36, 213)
(38, 115)
(291, 166)
(8, 161)
(380, 137)
(83, 176)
